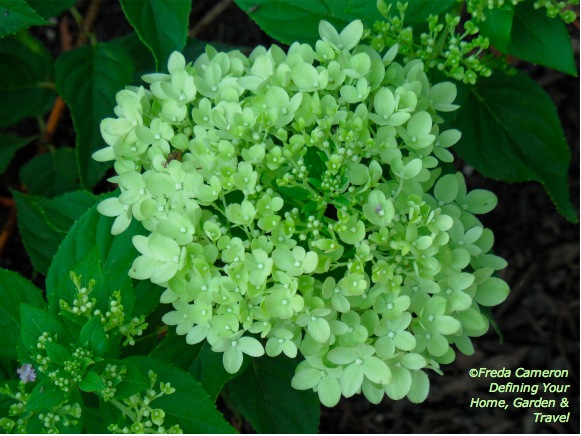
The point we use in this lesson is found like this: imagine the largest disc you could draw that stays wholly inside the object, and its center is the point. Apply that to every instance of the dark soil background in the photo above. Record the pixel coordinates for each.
(539, 321)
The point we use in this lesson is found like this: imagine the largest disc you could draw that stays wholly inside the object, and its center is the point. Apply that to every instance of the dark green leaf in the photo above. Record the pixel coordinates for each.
(10, 144)
(88, 79)
(264, 396)
(93, 336)
(194, 48)
(43, 222)
(541, 40)
(294, 193)
(34, 322)
(189, 406)
(162, 25)
(288, 21)
(91, 251)
(50, 8)
(14, 289)
(25, 70)
(418, 10)
(147, 297)
(16, 15)
(174, 349)
(134, 381)
(57, 354)
(298, 20)
(143, 61)
(511, 132)
(44, 396)
(92, 382)
(209, 370)
(51, 173)
(497, 26)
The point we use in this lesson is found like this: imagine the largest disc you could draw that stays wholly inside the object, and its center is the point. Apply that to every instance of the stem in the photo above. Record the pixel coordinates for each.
(124, 409)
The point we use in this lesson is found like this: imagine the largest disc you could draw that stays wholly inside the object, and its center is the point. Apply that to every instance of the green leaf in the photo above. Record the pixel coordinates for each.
(209, 370)
(511, 132)
(174, 349)
(16, 15)
(10, 144)
(498, 26)
(147, 297)
(34, 322)
(541, 40)
(50, 8)
(43, 223)
(25, 69)
(91, 251)
(288, 21)
(264, 396)
(93, 336)
(189, 406)
(298, 20)
(418, 10)
(88, 79)
(143, 61)
(57, 354)
(44, 396)
(14, 289)
(294, 193)
(162, 25)
(51, 173)
(92, 382)
(134, 380)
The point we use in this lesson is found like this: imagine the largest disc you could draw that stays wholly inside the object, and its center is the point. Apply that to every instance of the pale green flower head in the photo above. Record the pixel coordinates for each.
(296, 205)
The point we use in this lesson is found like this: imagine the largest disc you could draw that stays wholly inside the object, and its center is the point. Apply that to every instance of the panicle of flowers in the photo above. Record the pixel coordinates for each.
(114, 316)
(144, 418)
(53, 421)
(295, 204)
(554, 8)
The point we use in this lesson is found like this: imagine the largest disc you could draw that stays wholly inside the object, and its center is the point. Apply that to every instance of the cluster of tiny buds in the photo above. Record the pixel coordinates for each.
(145, 418)
(113, 318)
(64, 415)
(112, 376)
(72, 370)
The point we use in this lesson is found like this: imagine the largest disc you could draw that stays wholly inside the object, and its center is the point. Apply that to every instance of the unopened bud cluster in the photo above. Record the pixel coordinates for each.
(146, 419)
(114, 316)
(299, 198)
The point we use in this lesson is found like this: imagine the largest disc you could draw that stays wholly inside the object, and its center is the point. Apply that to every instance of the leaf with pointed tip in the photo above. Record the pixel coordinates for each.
(44, 222)
(162, 25)
(14, 289)
(257, 395)
(50, 8)
(16, 15)
(541, 40)
(189, 406)
(511, 132)
(10, 145)
(289, 21)
(25, 69)
(52, 173)
(88, 79)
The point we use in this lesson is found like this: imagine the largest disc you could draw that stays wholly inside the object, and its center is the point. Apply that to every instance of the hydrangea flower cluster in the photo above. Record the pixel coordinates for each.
(298, 198)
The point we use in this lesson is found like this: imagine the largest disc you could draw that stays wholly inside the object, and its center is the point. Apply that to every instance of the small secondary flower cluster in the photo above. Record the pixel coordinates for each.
(461, 55)
(299, 197)
(555, 8)
(113, 318)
